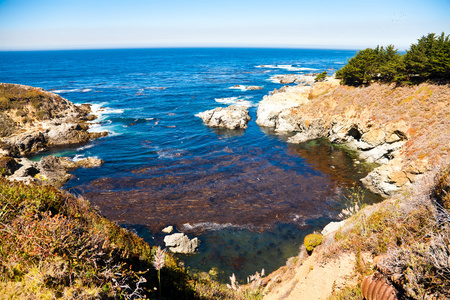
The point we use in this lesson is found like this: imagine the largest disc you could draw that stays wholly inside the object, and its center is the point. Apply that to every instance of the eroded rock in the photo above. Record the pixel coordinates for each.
(180, 243)
(231, 117)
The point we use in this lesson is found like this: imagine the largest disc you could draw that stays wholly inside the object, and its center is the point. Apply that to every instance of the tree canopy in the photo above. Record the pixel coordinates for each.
(428, 59)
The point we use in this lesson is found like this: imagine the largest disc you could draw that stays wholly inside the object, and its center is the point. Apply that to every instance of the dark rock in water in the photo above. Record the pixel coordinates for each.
(180, 243)
(8, 166)
(231, 117)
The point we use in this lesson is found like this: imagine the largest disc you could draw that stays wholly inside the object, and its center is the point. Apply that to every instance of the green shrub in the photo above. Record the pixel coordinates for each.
(321, 77)
(312, 240)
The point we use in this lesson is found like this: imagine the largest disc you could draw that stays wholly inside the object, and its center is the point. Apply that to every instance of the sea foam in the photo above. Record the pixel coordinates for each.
(71, 91)
(240, 101)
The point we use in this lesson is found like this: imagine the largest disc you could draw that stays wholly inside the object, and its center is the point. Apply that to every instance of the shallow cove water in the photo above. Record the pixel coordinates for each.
(248, 195)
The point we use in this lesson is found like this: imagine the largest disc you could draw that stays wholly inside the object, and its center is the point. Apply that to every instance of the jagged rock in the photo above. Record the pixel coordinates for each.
(231, 117)
(49, 170)
(29, 142)
(52, 171)
(180, 243)
(26, 172)
(67, 133)
(8, 166)
(87, 162)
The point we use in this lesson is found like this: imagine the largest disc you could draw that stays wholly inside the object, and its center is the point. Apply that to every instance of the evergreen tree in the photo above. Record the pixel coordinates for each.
(429, 59)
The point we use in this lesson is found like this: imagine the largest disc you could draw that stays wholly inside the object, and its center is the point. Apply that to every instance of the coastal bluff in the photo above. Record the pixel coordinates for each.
(403, 130)
(33, 120)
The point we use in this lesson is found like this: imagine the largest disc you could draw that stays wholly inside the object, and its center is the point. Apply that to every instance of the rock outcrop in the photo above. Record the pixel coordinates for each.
(294, 78)
(380, 122)
(35, 121)
(231, 117)
(272, 106)
(180, 243)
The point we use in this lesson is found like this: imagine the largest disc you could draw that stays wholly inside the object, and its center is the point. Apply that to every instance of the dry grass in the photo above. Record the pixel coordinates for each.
(413, 231)
(53, 245)
(425, 108)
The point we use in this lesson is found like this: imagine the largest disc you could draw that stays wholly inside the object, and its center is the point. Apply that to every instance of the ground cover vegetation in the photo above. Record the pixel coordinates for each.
(56, 246)
(411, 236)
(427, 60)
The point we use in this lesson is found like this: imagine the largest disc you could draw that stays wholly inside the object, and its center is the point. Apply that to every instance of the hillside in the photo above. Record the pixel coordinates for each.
(406, 132)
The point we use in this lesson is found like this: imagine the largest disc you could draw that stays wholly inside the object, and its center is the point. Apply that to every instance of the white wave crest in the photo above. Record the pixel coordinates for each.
(238, 87)
(79, 157)
(290, 68)
(85, 147)
(210, 226)
(71, 91)
(240, 101)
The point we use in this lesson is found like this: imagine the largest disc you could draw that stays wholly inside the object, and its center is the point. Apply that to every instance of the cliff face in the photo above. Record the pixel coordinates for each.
(33, 120)
(404, 129)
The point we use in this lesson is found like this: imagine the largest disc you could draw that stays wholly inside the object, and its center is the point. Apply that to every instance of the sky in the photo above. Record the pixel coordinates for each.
(91, 24)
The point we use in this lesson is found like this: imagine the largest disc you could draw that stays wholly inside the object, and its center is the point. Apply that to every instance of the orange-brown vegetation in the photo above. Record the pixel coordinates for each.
(425, 109)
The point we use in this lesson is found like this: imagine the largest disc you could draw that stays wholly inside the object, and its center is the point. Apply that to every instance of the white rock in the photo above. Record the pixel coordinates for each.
(180, 243)
(168, 229)
(231, 117)
(332, 227)
(271, 106)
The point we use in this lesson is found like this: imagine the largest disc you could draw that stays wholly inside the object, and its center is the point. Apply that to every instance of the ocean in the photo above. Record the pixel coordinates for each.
(248, 195)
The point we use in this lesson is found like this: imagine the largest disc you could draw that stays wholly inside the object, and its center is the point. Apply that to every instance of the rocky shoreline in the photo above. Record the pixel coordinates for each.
(353, 116)
(34, 120)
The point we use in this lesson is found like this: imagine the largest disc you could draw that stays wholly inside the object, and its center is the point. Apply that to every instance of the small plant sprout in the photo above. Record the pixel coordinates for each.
(353, 202)
(158, 263)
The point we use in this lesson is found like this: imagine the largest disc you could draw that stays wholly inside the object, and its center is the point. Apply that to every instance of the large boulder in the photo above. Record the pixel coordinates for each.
(231, 117)
(180, 243)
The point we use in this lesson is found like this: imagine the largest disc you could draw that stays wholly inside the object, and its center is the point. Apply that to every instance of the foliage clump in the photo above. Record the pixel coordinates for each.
(56, 246)
(312, 240)
(321, 77)
(412, 234)
(427, 60)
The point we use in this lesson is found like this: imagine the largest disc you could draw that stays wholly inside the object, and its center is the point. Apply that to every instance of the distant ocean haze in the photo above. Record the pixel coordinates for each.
(248, 195)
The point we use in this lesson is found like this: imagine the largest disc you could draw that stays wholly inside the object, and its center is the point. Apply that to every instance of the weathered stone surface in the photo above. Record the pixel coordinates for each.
(8, 166)
(49, 170)
(87, 162)
(271, 106)
(294, 78)
(28, 143)
(332, 227)
(231, 117)
(42, 119)
(321, 88)
(289, 109)
(180, 243)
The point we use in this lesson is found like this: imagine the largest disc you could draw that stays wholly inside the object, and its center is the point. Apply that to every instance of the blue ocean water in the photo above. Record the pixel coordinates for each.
(248, 195)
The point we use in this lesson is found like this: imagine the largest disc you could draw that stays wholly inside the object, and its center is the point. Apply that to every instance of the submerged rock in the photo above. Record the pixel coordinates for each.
(180, 243)
(231, 117)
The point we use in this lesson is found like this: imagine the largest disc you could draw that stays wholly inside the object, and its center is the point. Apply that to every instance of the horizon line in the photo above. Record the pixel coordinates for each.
(184, 47)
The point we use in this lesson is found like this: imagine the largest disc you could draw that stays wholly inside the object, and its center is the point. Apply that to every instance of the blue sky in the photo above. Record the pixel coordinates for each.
(347, 24)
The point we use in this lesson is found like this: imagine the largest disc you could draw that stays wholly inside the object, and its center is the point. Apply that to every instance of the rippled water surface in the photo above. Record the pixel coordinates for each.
(248, 195)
